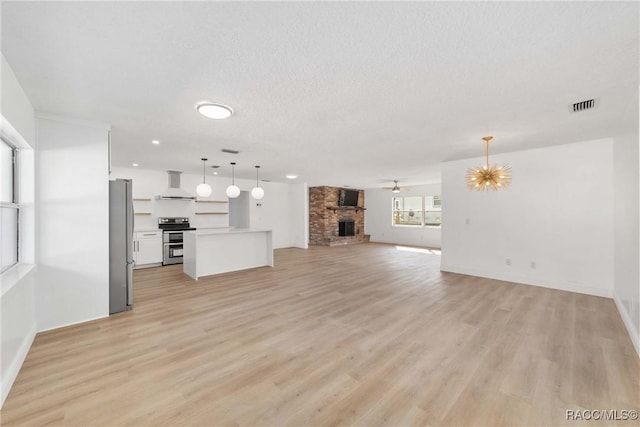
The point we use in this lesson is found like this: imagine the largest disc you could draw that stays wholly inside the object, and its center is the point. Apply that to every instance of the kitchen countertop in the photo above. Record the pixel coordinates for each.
(213, 231)
(148, 229)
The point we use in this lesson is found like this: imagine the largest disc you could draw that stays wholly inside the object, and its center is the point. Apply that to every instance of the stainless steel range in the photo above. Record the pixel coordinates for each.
(172, 238)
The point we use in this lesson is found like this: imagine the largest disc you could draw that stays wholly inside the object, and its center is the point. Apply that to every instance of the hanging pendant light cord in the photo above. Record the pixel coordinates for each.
(486, 142)
(487, 150)
(204, 169)
(233, 173)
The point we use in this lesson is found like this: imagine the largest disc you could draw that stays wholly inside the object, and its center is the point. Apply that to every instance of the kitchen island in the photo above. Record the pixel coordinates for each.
(221, 250)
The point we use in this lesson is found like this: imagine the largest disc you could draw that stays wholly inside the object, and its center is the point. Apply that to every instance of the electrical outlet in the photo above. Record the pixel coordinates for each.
(533, 264)
(508, 261)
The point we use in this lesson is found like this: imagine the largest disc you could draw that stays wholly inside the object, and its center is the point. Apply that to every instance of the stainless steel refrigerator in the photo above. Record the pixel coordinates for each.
(120, 246)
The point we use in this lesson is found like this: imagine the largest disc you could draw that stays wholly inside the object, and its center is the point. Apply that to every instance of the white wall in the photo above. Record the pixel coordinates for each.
(73, 237)
(557, 213)
(626, 235)
(17, 285)
(280, 208)
(18, 324)
(16, 107)
(378, 218)
(299, 196)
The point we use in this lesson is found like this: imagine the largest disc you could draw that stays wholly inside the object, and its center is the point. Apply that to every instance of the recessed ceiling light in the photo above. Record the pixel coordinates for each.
(214, 111)
(291, 176)
(155, 141)
(135, 165)
(215, 173)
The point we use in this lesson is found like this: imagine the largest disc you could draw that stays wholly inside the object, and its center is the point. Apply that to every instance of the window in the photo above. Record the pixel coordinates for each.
(9, 209)
(407, 210)
(432, 210)
(417, 211)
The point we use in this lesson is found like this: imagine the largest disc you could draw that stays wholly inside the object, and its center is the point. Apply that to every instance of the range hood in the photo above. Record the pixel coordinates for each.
(174, 192)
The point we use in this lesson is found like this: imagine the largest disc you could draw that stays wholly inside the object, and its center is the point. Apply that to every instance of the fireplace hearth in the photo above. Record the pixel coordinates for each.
(346, 228)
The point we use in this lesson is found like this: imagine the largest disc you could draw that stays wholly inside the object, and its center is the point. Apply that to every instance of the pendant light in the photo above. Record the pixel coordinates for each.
(484, 178)
(204, 189)
(257, 192)
(395, 188)
(233, 191)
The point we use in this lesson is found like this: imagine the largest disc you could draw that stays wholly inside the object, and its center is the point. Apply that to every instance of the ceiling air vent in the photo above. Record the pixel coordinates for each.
(227, 150)
(583, 105)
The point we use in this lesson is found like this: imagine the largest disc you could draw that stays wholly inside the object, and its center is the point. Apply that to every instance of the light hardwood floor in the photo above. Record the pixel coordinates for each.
(358, 335)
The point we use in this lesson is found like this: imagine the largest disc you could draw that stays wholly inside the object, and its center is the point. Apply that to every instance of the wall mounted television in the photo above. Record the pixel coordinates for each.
(348, 197)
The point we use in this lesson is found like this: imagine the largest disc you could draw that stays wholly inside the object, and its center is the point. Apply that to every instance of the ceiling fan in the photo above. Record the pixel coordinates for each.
(396, 188)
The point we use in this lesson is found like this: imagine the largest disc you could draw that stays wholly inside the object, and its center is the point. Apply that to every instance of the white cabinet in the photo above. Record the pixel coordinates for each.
(147, 248)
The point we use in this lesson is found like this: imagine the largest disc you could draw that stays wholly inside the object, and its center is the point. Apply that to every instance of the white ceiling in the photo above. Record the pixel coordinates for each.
(340, 93)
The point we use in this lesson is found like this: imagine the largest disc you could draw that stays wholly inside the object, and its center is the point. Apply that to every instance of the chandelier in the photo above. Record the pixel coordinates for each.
(488, 177)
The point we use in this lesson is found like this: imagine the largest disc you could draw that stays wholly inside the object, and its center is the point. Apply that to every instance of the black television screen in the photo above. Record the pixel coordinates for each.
(348, 198)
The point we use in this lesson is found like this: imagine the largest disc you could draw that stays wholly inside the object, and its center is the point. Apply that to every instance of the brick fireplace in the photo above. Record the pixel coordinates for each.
(333, 225)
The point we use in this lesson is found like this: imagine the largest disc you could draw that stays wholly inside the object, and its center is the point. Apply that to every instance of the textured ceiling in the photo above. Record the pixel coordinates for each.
(339, 93)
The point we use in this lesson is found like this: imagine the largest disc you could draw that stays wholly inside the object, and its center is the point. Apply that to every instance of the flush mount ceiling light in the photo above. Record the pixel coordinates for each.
(395, 188)
(204, 189)
(257, 192)
(291, 176)
(214, 111)
(155, 142)
(488, 177)
(233, 191)
(135, 165)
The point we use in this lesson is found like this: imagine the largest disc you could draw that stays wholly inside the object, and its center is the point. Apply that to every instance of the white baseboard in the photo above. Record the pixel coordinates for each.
(293, 245)
(628, 323)
(420, 244)
(16, 364)
(559, 285)
(74, 323)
